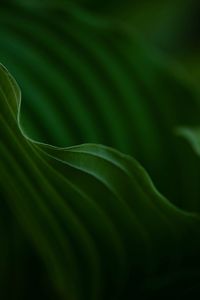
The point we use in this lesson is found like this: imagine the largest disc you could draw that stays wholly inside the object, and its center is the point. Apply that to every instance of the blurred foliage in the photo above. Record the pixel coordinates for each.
(113, 73)
(173, 26)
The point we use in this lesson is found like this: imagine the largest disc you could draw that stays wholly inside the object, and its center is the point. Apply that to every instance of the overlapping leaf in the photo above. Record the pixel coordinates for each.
(91, 213)
(86, 79)
(88, 213)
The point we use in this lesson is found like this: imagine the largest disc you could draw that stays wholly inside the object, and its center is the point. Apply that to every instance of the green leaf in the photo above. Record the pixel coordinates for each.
(192, 135)
(91, 214)
(86, 78)
(86, 222)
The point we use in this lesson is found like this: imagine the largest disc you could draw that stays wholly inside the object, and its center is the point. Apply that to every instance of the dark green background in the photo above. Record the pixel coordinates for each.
(123, 74)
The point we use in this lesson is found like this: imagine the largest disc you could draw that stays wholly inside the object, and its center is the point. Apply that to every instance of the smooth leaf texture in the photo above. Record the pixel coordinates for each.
(86, 222)
(92, 215)
(87, 79)
(192, 135)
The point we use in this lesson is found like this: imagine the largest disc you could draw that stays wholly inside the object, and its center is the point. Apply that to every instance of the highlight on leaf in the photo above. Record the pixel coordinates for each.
(192, 136)
(89, 217)
(85, 221)
(86, 77)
